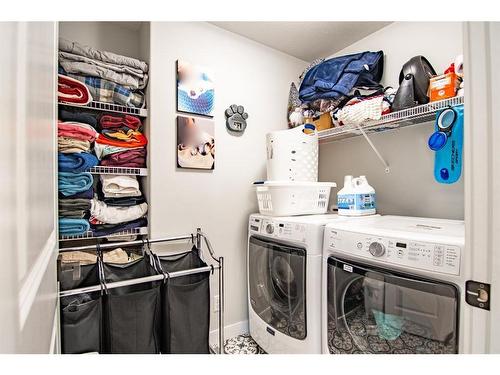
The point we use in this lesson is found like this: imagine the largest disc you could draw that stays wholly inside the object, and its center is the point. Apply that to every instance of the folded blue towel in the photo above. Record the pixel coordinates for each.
(77, 162)
(73, 183)
(73, 226)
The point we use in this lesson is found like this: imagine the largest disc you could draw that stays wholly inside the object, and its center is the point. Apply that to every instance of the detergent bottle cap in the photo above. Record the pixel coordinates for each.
(347, 180)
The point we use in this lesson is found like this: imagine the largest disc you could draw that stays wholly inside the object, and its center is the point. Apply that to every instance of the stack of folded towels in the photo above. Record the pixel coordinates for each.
(118, 206)
(120, 143)
(109, 77)
(75, 183)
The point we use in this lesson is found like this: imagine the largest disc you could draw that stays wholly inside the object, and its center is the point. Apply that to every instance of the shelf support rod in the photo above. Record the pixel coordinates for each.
(387, 169)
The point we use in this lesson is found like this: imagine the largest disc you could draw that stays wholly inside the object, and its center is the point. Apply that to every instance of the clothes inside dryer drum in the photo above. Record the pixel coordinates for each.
(277, 286)
(377, 311)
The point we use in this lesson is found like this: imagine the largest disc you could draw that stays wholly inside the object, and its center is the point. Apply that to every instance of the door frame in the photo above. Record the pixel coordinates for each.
(482, 179)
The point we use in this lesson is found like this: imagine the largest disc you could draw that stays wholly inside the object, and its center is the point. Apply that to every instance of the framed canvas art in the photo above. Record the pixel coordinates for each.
(195, 89)
(195, 143)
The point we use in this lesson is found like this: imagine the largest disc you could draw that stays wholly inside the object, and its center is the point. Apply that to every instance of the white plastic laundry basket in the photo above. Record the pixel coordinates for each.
(292, 155)
(293, 198)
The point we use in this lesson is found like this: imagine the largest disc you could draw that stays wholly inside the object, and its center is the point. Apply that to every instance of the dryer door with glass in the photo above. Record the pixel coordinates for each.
(277, 285)
(371, 310)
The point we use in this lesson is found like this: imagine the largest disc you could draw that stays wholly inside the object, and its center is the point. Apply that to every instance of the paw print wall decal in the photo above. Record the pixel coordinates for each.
(236, 118)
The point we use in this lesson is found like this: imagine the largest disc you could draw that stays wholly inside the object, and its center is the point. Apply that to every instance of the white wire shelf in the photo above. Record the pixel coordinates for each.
(110, 107)
(90, 234)
(406, 117)
(101, 169)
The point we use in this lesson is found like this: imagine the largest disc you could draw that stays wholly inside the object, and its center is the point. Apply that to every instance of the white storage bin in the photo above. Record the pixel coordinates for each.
(292, 154)
(293, 198)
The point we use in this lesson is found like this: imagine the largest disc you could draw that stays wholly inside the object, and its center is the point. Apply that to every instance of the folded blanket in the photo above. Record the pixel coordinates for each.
(78, 115)
(101, 213)
(134, 79)
(78, 130)
(134, 158)
(120, 138)
(87, 194)
(77, 162)
(104, 56)
(73, 183)
(70, 90)
(74, 208)
(68, 145)
(110, 92)
(107, 229)
(109, 121)
(73, 226)
(119, 202)
(102, 150)
(118, 186)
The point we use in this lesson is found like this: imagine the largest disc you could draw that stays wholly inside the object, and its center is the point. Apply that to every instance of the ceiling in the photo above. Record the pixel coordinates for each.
(304, 40)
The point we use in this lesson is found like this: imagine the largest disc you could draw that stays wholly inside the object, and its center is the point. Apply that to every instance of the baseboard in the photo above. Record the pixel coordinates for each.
(230, 330)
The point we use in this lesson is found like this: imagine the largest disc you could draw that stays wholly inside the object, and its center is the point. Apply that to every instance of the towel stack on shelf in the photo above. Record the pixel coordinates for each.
(109, 77)
(75, 184)
(120, 143)
(87, 138)
(119, 205)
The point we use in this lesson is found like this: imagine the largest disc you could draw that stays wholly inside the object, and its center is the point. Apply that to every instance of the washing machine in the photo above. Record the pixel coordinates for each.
(393, 284)
(284, 282)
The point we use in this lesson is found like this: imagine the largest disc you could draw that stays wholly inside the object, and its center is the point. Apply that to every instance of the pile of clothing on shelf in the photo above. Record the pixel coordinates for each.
(347, 88)
(120, 142)
(119, 205)
(105, 76)
(75, 183)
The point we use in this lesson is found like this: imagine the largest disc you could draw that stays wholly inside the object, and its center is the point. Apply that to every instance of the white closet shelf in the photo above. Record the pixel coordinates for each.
(90, 234)
(406, 117)
(110, 107)
(100, 169)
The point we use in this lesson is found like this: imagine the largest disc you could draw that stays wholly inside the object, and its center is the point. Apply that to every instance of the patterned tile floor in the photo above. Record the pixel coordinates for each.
(241, 344)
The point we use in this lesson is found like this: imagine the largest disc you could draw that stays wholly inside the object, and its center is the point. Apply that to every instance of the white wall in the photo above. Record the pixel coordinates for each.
(218, 201)
(28, 164)
(410, 188)
(117, 37)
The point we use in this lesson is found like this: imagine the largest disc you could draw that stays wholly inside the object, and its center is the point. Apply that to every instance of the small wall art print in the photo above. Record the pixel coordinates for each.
(195, 143)
(195, 89)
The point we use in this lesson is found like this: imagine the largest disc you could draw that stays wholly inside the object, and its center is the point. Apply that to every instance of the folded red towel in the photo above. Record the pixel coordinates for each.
(70, 90)
(108, 121)
(134, 158)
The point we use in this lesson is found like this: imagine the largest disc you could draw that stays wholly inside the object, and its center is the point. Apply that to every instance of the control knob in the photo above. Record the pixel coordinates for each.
(376, 249)
(270, 228)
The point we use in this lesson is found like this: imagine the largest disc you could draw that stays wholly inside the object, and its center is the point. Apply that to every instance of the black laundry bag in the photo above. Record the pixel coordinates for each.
(132, 313)
(81, 314)
(185, 306)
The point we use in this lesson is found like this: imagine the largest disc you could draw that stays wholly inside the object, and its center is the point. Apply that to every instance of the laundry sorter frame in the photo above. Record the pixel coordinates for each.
(198, 237)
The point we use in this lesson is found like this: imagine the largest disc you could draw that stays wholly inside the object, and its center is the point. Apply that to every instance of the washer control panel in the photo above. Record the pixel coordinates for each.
(410, 253)
(276, 229)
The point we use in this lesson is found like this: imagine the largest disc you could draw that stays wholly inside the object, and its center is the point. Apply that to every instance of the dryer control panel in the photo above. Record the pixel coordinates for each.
(409, 253)
(274, 228)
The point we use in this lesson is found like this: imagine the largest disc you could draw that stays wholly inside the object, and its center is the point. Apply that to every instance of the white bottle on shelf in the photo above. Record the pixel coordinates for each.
(356, 198)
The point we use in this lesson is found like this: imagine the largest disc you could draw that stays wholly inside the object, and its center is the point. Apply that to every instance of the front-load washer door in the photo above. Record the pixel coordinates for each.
(277, 286)
(371, 310)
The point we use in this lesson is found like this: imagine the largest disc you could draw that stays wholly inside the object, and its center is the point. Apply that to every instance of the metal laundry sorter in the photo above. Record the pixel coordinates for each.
(155, 279)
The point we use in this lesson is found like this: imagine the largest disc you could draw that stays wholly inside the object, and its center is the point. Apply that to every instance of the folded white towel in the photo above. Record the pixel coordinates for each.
(105, 214)
(118, 186)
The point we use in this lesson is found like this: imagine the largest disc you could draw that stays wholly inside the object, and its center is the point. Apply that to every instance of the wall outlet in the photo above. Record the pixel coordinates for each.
(216, 303)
